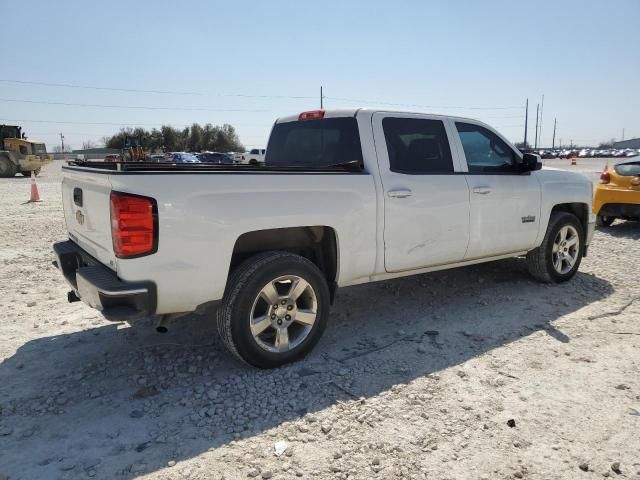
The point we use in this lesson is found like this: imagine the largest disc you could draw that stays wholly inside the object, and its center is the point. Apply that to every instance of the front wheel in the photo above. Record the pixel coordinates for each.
(27, 173)
(7, 168)
(603, 221)
(558, 258)
(274, 310)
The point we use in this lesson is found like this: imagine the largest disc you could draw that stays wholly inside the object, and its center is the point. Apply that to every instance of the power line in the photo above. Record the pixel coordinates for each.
(507, 116)
(233, 95)
(209, 109)
(84, 123)
(44, 134)
(134, 107)
(373, 102)
(92, 87)
(162, 92)
(119, 124)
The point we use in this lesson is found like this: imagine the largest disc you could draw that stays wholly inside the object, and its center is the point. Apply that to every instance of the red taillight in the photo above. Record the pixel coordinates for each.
(312, 115)
(134, 225)
(604, 176)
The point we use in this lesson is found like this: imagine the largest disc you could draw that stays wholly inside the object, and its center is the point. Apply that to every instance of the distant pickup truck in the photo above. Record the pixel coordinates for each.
(345, 197)
(253, 157)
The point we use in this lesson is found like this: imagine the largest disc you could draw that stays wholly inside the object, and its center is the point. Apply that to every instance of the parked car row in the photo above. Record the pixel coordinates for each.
(589, 153)
(253, 157)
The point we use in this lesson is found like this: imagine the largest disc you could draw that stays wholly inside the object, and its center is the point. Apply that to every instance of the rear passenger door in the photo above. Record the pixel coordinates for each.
(505, 203)
(426, 205)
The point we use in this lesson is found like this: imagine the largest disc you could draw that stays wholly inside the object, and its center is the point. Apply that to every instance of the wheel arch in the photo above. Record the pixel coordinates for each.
(579, 209)
(317, 243)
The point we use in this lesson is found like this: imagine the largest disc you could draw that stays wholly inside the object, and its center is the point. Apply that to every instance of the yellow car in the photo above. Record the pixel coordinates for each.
(618, 195)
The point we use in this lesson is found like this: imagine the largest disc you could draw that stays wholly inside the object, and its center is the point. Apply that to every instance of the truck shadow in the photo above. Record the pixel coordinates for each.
(123, 401)
(623, 229)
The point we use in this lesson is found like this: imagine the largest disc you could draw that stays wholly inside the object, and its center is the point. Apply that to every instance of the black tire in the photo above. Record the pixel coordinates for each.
(244, 286)
(27, 173)
(540, 260)
(603, 221)
(253, 162)
(7, 168)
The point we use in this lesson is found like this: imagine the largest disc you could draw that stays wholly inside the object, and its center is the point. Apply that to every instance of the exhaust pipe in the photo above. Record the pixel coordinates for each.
(161, 326)
(163, 322)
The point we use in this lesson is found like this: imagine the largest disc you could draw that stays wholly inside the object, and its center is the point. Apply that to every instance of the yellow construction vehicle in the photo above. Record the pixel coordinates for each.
(17, 154)
(133, 150)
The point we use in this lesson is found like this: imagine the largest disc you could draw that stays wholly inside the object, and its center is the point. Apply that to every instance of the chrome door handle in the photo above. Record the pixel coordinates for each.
(399, 193)
(481, 190)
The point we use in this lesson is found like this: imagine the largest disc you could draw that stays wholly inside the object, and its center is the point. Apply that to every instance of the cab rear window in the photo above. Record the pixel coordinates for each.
(315, 143)
(628, 169)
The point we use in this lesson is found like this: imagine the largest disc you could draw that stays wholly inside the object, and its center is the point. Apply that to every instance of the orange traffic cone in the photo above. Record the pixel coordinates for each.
(573, 161)
(35, 196)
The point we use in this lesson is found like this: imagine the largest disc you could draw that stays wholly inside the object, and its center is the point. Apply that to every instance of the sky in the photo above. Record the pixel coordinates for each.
(248, 62)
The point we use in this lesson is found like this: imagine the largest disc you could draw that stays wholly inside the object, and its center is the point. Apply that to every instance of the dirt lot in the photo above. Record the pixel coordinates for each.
(475, 373)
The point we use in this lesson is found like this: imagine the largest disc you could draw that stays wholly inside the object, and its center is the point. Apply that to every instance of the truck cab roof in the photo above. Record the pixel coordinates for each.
(352, 112)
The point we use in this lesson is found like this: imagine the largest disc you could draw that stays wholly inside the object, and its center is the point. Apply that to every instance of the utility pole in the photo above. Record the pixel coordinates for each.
(540, 129)
(526, 118)
(321, 98)
(553, 143)
(62, 141)
(623, 133)
(537, 112)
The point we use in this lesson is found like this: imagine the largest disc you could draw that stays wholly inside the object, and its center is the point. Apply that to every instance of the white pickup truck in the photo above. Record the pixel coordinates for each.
(345, 197)
(254, 156)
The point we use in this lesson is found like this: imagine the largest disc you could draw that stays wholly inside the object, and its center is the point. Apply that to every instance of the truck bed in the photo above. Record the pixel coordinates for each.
(112, 167)
(204, 209)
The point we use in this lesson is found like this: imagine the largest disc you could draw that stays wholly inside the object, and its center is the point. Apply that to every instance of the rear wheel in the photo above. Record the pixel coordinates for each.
(27, 173)
(558, 258)
(604, 221)
(274, 310)
(7, 168)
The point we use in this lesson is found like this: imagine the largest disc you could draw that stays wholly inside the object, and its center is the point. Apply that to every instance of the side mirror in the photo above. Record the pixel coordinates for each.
(531, 162)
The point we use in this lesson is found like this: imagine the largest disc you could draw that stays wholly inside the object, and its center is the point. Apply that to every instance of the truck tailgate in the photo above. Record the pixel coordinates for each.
(85, 198)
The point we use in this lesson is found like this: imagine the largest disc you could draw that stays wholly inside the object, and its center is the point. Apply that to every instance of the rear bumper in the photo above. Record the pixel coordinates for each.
(620, 210)
(607, 195)
(100, 287)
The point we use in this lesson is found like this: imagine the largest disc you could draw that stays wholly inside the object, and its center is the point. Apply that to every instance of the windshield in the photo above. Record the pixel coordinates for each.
(9, 131)
(315, 143)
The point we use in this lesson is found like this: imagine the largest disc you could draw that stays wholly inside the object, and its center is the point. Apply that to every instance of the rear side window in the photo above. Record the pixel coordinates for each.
(628, 169)
(417, 146)
(315, 143)
(484, 150)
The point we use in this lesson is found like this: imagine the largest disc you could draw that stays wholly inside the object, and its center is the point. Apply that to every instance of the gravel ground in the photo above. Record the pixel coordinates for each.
(474, 373)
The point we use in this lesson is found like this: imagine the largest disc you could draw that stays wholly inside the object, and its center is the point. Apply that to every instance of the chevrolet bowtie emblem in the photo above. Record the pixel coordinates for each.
(80, 217)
